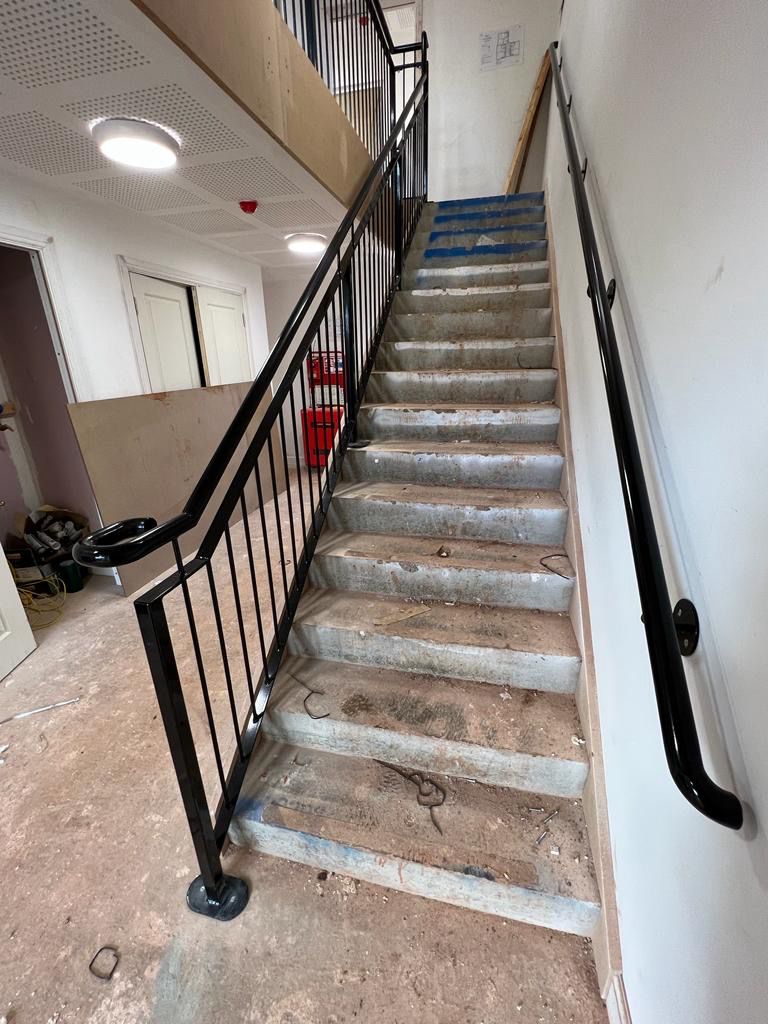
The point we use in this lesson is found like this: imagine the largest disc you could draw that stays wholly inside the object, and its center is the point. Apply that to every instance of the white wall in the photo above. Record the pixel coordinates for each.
(670, 105)
(475, 117)
(87, 292)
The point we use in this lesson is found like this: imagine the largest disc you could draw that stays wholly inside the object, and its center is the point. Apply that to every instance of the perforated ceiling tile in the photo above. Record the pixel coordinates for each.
(44, 42)
(170, 106)
(406, 17)
(205, 222)
(45, 145)
(254, 178)
(144, 192)
(253, 241)
(294, 214)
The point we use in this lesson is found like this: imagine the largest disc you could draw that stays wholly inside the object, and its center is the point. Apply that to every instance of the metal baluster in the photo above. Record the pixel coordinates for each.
(239, 611)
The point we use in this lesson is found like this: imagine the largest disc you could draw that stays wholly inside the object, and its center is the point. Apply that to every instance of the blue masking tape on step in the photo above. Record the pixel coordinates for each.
(442, 218)
(515, 197)
(503, 249)
(434, 235)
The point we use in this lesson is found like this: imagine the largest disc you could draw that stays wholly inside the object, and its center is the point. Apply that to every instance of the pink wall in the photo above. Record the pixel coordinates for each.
(35, 384)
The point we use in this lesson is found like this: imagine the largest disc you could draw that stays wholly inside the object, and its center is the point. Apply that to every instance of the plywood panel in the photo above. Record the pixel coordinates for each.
(247, 48)
(145, 453)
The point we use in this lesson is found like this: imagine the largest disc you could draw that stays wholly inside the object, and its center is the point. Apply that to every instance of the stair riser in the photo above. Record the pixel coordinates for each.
(544, 590)
(461, 890)
(449, 425)
(530, 773)
(478, 256)
(467, 237)
(514, 525)
(533, 472)
(446, 220)
(514, 323)
(549, 672)
(493, 354)
(487, 204)
(480, 386)
(476, 277)
(459, 300)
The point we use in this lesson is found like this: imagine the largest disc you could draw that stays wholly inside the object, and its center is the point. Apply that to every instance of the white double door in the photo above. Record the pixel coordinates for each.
(191, 336)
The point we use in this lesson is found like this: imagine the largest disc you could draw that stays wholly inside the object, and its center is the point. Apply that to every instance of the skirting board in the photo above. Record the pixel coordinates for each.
(616, 1002)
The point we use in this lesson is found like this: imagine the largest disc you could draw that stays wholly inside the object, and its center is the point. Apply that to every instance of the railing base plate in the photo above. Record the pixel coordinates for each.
(233, 899)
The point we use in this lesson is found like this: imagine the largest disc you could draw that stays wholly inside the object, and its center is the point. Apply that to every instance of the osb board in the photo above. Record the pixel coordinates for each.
(249, 51)
(144, 455)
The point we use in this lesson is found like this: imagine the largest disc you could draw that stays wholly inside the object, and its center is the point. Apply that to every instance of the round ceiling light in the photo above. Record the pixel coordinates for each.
(306, 243)
(135, 143)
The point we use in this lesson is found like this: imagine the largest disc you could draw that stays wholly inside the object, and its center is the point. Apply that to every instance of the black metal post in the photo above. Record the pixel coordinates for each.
(310, 22)
(424, 71)
(397, 184)
(212, 893)
(350, 351)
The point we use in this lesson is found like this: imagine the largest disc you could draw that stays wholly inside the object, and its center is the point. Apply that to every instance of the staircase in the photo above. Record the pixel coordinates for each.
(423, 732)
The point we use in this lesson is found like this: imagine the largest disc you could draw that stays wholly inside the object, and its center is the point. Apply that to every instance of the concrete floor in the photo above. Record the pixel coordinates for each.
(96, 851)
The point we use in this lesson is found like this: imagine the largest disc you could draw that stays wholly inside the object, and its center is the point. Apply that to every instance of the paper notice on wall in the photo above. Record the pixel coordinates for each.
(501, 49)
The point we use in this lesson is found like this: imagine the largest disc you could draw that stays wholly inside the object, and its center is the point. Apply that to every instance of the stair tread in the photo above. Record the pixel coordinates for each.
(483, 831)
(424, 446)
(481, 626)
(449, 710)
(516, 407)
(478, 290)
(481, 498)
(468, 342)
(419, 551)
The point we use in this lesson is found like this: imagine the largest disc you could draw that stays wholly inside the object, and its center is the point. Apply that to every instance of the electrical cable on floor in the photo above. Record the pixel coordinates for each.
(47, 606)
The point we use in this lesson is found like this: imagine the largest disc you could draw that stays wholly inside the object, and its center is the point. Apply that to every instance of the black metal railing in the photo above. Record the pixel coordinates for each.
(350, 45)
(666, 642)
(215, 629)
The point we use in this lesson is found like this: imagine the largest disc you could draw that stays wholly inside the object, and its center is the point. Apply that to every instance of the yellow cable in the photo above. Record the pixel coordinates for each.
(43, 604)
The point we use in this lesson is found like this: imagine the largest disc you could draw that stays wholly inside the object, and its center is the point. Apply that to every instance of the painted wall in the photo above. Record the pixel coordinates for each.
(677, 162)
(34, 383)
(85, 283)
(475, 116)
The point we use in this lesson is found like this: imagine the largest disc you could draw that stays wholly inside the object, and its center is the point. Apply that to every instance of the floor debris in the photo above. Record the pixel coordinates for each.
(429, 793)
(37, 711)
(104, 963)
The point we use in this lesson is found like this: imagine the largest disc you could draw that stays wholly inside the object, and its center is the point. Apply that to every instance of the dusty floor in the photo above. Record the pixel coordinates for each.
(96, 851)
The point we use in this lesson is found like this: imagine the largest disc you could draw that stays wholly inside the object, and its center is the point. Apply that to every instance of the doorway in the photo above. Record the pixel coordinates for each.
(43, 481)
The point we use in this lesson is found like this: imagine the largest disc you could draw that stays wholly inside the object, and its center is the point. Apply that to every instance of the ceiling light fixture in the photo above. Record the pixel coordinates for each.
(307, 243)
(135, 143)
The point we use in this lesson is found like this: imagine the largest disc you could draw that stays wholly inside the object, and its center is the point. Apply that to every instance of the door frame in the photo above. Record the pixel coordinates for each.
(45, 267)
(128, 265)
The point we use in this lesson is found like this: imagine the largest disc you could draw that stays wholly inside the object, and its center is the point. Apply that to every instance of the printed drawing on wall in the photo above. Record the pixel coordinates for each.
(501, 48)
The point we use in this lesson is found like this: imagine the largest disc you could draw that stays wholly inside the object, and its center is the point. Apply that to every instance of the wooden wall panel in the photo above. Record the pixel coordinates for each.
(145, 453)
(248, 50)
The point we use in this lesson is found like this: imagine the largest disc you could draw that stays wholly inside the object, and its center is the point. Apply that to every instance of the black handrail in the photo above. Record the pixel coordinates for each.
(128, 541)
(678, 725)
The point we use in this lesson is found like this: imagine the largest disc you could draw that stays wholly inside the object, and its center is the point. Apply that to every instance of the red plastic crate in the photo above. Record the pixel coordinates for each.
(318, 429)
(326, 368)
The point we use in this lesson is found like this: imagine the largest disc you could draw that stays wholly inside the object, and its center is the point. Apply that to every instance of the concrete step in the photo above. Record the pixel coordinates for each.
(466, 354)
(502, 464)
(519, 517)
(522, 322)
(470, 275)
(504, 646)
(429, 238)
(470, 299)
(513, 214)
(435, 836)
(486, 203)
(520, 739)
(478, 255)
(536, 421)
(444, 569)
(465, 386)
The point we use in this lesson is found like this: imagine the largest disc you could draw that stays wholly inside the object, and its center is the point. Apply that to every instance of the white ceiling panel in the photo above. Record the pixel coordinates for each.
(147, 193)
(46, 42)
(34, 140)
(241, 179)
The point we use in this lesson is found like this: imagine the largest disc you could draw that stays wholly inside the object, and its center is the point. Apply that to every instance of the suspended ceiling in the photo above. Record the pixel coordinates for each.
(66, 63)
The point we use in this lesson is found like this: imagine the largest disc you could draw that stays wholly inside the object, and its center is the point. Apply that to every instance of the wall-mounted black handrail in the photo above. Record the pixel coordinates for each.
(131, 539)
(678, 725)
